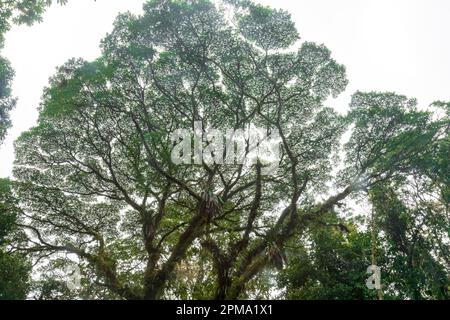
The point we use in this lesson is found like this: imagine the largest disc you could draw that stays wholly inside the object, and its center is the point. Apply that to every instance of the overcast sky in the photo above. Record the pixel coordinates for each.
(386, 45)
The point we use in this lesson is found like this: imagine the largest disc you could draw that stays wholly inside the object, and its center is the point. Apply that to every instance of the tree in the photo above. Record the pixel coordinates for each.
(14, 268)
(413, 213)
(15, 12)
(329, 262)
(22, 12)
(6, 101)
(95, 177)
(411, 224)
(415, 240)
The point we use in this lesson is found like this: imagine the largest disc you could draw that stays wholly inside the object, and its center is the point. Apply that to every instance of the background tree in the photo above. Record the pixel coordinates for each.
(15, 12)
(6, 101)
(411, 222)
(14, 268)
(22, 12)
(413, 212)
(416, 245)
(329, 261)
(95, 179)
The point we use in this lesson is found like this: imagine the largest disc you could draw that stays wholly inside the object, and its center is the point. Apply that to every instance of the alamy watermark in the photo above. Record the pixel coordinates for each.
(73, 280)
(374, 281)
(229, 147)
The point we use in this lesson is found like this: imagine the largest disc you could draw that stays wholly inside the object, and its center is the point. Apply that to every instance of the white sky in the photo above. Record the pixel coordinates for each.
(386, 45)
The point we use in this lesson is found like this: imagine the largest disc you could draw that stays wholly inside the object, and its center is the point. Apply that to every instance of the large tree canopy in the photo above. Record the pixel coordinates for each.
(97, 185)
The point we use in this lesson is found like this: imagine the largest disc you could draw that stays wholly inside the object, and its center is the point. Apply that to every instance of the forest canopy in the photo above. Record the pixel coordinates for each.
(94, 185)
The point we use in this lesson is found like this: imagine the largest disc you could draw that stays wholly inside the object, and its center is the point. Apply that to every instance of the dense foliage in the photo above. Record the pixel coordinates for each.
(6, 101)
(14, 268)
(22, 12)
(96, 186)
